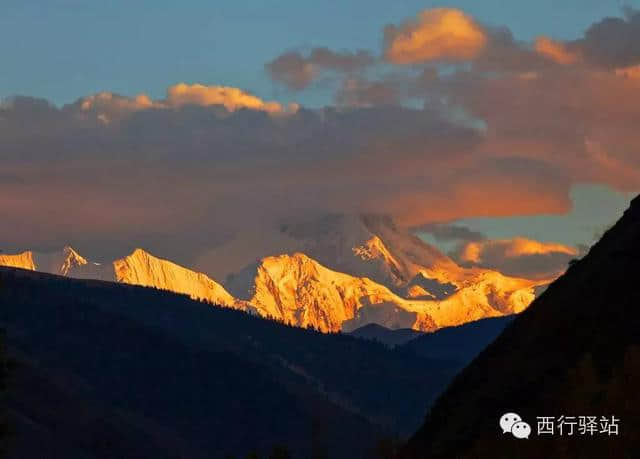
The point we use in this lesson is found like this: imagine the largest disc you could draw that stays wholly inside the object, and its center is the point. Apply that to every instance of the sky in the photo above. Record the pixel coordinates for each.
(495, 129)
(79, 47)
(594, 209)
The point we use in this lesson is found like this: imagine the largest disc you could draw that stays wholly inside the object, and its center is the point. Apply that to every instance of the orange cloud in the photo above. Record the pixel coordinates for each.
(232, 98)
(516, 247)
(556, 51)
(437, 34)
(107, 106)
(518, 256)
(632, 71)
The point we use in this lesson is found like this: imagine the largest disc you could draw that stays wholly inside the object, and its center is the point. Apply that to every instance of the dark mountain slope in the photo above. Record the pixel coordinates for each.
(384, 335)
(105, 368)
(460, 344)
(574, 352)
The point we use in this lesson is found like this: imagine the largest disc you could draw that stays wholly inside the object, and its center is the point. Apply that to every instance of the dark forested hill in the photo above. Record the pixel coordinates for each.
(110, 371)
(574, 352)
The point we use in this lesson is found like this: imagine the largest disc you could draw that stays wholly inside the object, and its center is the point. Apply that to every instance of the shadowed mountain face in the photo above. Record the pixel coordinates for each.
(460, 344)
(454, 344)
(574, 352)
(391, 338)
(111, 370)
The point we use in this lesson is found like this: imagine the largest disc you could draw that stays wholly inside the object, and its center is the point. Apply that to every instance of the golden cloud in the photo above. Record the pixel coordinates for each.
(518, 256)
(232, 98)
(632, 71)
(107, 106)
(436, 34)
(556, 51)
(511, 248)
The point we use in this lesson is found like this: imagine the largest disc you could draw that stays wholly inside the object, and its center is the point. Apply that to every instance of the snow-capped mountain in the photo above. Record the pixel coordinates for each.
(298, 290)
(363, 246)
(336, 273)
(138, 268)
(302, 292)
(368, 246)
(63, 262)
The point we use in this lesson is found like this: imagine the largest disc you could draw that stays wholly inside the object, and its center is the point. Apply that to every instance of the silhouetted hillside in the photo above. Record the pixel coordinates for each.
(460, 344)
(110, 371)
(384, 335)
(574, 352)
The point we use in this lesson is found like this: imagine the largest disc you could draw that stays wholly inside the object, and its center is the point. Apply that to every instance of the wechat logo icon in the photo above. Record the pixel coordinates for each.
(512, 423)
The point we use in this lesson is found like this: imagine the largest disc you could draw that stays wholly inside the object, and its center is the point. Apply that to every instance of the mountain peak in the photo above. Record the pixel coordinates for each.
(299, 256)
(298, 260)
(143, 268)
(70, 260)
(139, 252)
(24, 260)
(60, 262)
(299, 290)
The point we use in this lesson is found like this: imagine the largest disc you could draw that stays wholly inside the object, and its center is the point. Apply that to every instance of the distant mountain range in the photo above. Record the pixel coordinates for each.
(340, 273)
(572, 357)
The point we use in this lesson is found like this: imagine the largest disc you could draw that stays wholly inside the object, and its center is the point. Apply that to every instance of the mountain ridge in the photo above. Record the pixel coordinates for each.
(574, 352)
(349, 271)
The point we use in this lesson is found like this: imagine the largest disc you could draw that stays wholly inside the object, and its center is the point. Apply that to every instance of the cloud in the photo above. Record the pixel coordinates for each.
(179, 180)
(556, 51)
(508, 132)
(106, 106)
(297, 71)
(231, 98)
(450, 35)
(453, 38)
(611, 43)
(359, 92)
(632, 71)
(579, 120)
(518, 257)
(445, 233)
(440, 34)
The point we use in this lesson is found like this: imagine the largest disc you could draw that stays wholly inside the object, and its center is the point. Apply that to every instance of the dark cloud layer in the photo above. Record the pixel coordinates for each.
(612, 42)
(176, 178)
(447, 233)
